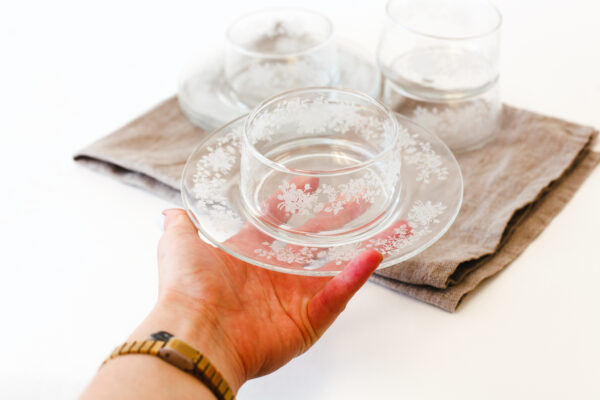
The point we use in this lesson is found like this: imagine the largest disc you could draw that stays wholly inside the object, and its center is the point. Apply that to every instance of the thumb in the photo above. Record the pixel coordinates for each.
(328, 303)
(179, 235)
(178, 222)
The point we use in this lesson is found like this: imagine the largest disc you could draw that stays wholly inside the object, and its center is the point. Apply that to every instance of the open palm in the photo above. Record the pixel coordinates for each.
(266, 317)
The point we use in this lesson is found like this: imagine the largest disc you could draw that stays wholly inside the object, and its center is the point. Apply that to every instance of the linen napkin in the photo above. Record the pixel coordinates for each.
(514, 186)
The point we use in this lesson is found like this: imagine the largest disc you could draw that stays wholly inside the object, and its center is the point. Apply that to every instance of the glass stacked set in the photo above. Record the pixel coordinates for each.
(319, 170)
(440, 63)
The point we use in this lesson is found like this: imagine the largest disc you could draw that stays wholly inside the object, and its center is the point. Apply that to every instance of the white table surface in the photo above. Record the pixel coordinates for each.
(78, 249)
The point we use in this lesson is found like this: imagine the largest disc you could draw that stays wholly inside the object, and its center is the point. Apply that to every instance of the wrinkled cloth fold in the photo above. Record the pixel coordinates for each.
(514, 186)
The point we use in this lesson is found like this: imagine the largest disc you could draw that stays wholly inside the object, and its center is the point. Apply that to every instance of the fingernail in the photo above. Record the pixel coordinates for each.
(160, 222)
(169, 210)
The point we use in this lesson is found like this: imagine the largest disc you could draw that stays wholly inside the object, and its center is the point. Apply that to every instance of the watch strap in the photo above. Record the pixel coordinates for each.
(181, 355)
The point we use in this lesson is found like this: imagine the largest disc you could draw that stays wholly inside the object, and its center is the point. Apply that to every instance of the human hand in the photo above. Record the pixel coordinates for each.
(248, 320)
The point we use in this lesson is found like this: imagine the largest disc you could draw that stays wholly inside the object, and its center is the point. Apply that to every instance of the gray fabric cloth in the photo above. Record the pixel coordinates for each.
(514, 186)
(525, 226)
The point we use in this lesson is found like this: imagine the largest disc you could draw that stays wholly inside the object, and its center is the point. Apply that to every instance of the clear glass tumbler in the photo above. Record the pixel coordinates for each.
(272, 51)
(439, 59)
(320, 166)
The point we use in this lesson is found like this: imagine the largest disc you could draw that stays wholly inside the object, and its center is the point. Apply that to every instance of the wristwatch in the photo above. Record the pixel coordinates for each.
(181, 355)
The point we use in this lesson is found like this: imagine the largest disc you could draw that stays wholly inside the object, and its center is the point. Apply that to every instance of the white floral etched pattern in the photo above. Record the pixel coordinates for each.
(341, 254)
(296, 200)
(210, 182)
(221, 159)
(327, 198)
(459, 126)
(401, 237)
(275, 77)
(419, 154)
(286, 254)
(422, 215)
(339, 118)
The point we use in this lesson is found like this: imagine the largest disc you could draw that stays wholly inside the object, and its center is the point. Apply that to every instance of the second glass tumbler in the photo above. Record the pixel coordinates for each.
(439, 59)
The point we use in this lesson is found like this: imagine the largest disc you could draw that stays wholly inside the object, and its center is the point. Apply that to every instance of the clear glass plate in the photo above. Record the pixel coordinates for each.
(208, 102)
(431, 195)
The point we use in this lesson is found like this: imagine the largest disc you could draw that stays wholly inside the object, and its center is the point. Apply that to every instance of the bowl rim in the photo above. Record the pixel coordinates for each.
(316, 89)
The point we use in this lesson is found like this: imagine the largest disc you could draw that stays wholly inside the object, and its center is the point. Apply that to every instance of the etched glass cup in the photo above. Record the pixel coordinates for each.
(320, 166)
(272, 51)
(439, 59)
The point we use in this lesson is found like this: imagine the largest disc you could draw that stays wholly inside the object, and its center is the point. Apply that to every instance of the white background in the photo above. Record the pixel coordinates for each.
(78, 249)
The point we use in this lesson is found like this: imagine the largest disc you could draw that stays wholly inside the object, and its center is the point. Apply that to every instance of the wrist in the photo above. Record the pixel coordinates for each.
(198, 328)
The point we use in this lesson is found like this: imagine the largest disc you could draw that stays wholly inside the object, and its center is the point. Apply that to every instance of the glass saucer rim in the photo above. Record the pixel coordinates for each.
(208, 122)
(386, 263)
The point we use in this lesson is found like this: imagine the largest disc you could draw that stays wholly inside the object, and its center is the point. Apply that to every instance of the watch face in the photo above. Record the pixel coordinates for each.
(163, 336)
